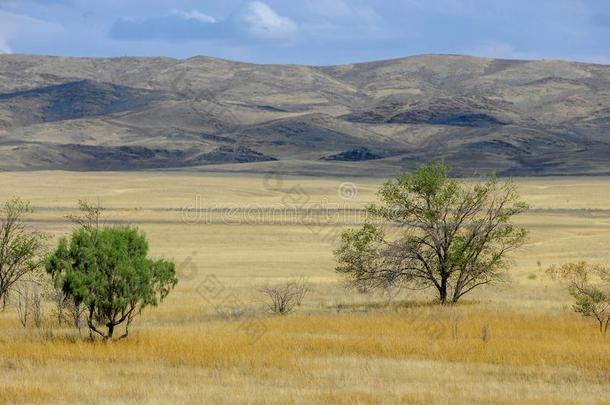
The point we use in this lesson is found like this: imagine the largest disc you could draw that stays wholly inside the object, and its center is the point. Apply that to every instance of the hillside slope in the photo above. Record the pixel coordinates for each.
(514, 117)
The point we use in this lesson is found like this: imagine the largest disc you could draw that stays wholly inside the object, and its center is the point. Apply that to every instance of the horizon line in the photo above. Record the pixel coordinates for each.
(301, 64)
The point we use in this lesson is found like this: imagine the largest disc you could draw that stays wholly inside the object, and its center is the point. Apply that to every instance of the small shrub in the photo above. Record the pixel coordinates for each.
(283, 299)
(589, 286)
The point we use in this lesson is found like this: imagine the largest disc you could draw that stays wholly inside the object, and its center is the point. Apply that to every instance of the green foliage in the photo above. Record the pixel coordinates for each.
(357, 255)
(108, 271)
(446, 234)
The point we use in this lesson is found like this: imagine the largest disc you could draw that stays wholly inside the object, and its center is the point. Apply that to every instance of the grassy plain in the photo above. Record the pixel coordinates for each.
(211, 343)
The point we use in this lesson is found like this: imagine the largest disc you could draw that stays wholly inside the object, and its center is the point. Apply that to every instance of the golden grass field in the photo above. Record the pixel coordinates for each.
(210, 342)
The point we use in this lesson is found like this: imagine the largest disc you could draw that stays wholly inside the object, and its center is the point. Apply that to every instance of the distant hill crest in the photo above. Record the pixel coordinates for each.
(374, 118)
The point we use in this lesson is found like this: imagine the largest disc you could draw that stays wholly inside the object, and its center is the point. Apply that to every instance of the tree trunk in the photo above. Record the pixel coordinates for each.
(442, 291)
(456, 294)
(110, 331)
(77, 312)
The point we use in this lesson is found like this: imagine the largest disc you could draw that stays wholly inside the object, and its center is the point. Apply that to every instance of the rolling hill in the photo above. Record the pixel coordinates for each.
(514, 117)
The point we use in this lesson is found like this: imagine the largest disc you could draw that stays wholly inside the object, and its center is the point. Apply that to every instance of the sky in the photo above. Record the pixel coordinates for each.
(315, 32)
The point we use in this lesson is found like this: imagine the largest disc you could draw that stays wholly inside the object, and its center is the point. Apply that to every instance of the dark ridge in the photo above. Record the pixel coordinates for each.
(496, 146)
(235, 154)
(270, 108)
(366, 117)
(81, 98)
(355, 155)
(462, 119)
(125, 157)
(139, 157)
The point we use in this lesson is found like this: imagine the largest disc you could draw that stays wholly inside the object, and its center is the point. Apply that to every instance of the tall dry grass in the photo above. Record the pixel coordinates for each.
(322, 357)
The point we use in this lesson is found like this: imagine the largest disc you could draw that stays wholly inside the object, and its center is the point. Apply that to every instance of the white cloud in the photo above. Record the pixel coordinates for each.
(194, 15)
(265, 23)
(255, 21)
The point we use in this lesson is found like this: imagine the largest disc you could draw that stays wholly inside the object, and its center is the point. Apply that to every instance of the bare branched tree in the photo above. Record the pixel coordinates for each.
(22, 302)
(36, 302)
(28, 302)
(283, 299)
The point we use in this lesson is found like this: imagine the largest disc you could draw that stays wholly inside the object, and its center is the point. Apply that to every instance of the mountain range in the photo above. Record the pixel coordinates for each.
(514, 117)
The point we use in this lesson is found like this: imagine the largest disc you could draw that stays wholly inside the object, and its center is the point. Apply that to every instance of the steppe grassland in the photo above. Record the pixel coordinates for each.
(517, 343)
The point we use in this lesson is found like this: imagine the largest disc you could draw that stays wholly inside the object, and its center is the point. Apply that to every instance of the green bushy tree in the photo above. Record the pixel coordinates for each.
(108, 271)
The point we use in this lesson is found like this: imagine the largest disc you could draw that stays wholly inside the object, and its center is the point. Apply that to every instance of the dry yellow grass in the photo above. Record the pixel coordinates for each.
(366, 358)
(517, 343)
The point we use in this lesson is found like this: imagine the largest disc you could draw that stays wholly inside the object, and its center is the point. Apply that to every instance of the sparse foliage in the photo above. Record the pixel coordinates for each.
(449, 236)
(22, 304)
(37, 306)
(107, 271)
(28, 303)
(60, 299)
(21, 249)
(589, 286)
(89, 218)
(302, 287)
(67, 309)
